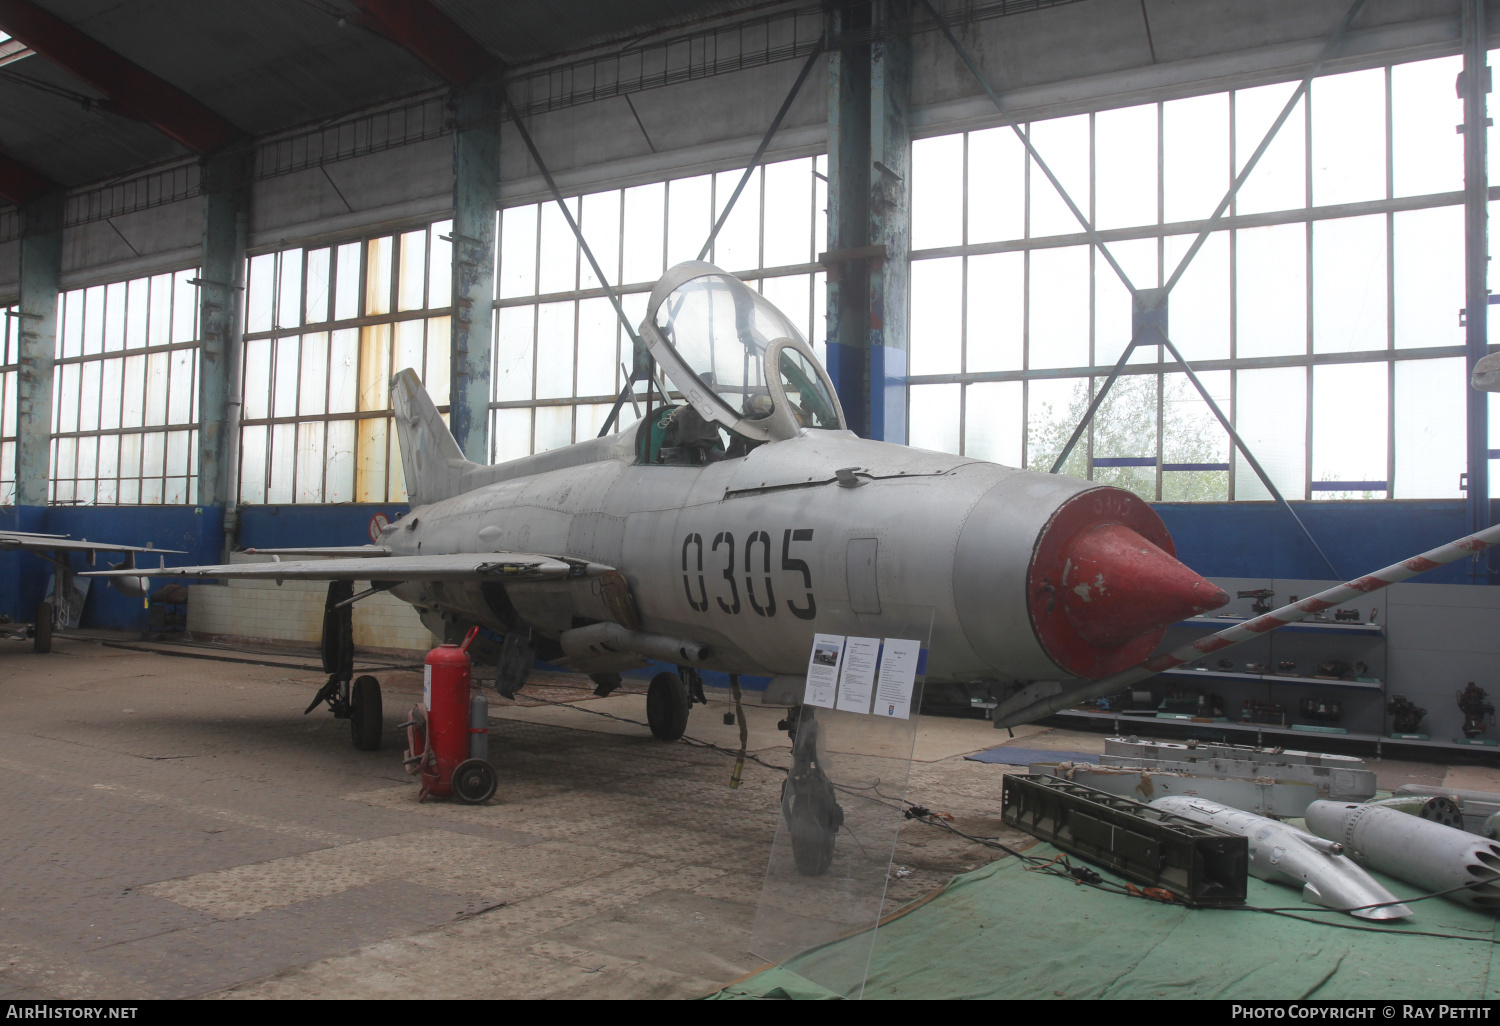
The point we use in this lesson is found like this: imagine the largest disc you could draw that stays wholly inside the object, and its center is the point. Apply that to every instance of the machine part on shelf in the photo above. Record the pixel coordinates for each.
(1337, 777)
(1477, 807)
(1406, 715)
(1287, 855)
(1349, 616)
(1472, 703)
(1016, 711)
(1226, 664)
(1287, 666)
(1420, 851)
(1333, 668)
(1284, 799)
(1436, 808)
(1195, 865)
(1256, 667)
(1270, 713)
(1262, 597)
(1325, 710)
(1142, 700)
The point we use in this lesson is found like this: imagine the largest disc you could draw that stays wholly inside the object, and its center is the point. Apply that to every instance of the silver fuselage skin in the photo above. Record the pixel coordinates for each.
(951, 534)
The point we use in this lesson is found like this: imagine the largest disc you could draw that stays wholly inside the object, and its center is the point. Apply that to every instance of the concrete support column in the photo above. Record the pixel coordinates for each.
(476, 198)
(41, 281)
(1474, 86)
(221, 291)
(889, 182)
(869, 212)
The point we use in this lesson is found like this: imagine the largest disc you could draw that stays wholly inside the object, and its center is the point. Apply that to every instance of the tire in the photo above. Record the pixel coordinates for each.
(366, 716)
(813, 820)
(474, 781)
(667, 706)
(41, 640)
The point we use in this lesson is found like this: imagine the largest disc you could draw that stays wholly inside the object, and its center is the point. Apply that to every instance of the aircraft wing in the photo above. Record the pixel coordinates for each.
(12, 541)
(466, 566)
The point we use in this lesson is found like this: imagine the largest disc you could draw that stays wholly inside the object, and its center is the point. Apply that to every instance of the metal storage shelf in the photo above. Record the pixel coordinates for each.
(1276, 678)
(1308, 738)
(1303, 627)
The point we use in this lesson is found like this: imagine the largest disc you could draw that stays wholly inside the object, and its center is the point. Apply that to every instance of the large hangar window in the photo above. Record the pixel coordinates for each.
(1324, 318)
(124, 393)
(560, 356)
(325, 328)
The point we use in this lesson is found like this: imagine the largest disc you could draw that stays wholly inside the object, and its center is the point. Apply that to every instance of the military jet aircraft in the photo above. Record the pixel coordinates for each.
(56, 549)
(734, 520)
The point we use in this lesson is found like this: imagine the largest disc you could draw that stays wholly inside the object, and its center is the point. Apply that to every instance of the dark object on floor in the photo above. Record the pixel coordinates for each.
(1471, 702)
(168, 609)
(1406, 716)
(1195, 864)
(729, 719)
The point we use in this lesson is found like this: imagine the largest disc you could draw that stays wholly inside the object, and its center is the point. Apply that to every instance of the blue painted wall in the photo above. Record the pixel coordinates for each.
(1240, 539)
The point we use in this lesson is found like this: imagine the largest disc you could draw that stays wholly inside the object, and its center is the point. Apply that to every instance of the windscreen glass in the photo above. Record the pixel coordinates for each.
(805, 391)
(721, 328)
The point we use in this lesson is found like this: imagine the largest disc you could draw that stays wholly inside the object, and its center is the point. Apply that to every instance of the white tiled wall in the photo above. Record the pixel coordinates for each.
(293, 611)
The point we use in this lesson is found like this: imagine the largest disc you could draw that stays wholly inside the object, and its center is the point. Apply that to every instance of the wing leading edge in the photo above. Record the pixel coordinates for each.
(12, 541)
(471, 566)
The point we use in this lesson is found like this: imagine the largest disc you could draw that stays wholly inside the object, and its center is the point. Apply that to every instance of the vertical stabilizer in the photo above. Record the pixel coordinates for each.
(434, 464)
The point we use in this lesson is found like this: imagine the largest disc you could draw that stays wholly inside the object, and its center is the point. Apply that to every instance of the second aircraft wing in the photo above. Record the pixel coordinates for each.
(478, 566)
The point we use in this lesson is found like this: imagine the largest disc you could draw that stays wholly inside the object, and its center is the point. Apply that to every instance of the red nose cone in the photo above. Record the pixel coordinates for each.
(1105, 585)
(1117, 586)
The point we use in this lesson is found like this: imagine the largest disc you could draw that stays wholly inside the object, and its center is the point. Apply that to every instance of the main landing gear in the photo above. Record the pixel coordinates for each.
(348, 698)
(669, 699)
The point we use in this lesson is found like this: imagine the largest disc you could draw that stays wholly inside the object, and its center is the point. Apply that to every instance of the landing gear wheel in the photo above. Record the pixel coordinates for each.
(474, 781)
(667, 706)
(41, 640)
(813, 820)
(366, 717)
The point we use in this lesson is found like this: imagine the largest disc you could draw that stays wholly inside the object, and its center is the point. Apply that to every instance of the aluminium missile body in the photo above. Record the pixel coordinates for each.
(1432, 856)
(1285, 854)
(1337, 777)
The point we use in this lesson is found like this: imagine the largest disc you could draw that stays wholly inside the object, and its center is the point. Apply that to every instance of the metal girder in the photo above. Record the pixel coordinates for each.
(41, 280)
(133, 92)
(21, 184)
(428, 35)
(1474, 87)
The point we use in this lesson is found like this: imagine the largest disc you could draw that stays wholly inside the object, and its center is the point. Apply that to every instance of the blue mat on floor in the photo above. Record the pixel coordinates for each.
(1006, 755)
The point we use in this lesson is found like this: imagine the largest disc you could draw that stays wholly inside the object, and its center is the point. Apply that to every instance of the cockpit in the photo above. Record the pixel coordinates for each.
(740, 372)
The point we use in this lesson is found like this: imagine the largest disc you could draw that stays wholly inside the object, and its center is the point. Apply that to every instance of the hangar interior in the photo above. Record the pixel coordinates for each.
(225, 227)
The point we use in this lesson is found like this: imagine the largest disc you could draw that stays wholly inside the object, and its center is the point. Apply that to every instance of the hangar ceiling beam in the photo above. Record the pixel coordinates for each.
(133, 91)
(21, 184)
(869, 217)
(429, 35)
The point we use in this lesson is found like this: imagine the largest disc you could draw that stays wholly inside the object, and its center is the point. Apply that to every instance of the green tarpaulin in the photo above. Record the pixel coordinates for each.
(1001, 932)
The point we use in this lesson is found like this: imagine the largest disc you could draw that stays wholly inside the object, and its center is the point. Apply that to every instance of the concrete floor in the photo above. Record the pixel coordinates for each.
(176, 828)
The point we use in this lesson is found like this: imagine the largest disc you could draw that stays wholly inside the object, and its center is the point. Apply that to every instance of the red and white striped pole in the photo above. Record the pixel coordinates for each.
(1392, 574)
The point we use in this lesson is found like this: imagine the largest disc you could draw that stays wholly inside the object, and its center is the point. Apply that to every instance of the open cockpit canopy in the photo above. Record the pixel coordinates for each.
(738, 360)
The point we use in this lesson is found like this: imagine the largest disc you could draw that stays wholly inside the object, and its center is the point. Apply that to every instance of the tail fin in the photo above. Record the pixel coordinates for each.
(434, 464)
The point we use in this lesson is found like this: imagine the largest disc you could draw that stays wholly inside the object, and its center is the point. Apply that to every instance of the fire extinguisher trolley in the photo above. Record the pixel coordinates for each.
(448, 734)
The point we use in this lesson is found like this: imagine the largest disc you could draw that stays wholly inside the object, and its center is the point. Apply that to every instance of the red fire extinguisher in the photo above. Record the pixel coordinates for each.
(447, 734)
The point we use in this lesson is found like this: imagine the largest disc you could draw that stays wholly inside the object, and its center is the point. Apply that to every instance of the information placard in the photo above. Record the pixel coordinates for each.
(823, 670)
(857, 676)
(898, 673)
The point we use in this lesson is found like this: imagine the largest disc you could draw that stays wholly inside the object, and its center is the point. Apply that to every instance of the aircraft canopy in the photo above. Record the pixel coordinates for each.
(719, 341)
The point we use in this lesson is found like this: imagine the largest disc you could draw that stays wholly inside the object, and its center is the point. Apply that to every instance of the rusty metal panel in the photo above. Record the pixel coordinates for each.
(1197, 866)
